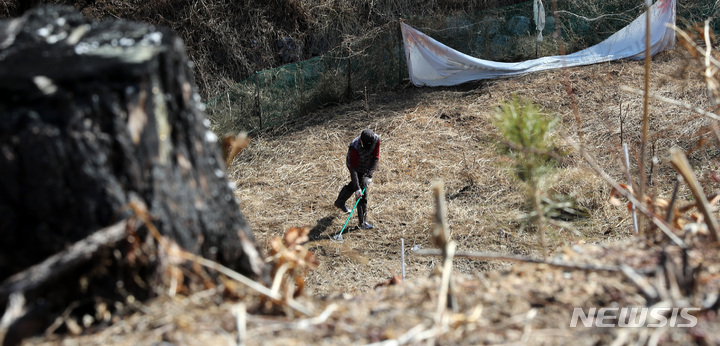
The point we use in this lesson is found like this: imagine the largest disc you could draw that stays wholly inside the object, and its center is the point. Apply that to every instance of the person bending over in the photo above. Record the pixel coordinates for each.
(361, 160)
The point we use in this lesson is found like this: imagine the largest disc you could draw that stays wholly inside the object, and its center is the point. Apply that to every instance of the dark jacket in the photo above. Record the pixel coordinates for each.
(362, 161)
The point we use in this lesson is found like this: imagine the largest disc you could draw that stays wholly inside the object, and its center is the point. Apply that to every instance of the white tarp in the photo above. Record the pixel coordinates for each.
(432, 63)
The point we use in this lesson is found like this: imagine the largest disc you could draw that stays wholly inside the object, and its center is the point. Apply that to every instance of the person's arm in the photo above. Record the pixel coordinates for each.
(375, 157)
(354, 164)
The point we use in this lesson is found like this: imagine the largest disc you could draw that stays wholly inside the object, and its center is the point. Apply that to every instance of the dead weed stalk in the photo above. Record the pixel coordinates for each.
(175, 253)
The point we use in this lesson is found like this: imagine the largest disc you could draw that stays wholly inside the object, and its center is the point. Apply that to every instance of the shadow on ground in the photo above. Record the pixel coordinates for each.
(320, 231)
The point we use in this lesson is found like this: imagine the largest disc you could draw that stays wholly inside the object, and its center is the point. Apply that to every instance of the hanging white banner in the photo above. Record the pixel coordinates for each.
(431, 63)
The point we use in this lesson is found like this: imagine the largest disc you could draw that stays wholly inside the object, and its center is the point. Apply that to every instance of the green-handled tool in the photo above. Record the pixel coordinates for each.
(338, 237)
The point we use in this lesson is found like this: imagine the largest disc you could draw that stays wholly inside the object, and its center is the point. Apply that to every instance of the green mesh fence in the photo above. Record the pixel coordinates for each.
(376, 62)
(275, 96)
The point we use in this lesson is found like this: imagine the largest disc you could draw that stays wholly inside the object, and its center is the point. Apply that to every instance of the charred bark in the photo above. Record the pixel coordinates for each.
(94, 114)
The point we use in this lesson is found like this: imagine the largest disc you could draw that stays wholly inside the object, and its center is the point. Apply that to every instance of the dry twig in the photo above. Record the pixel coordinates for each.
(511, 258)
(673, 102)
(682, 165)
(641, 207)
(304, 324)
(142, 213)
(441, 238)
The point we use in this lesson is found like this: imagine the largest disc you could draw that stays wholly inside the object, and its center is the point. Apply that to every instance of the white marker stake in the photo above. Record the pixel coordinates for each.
(629, 180)
(402, 257)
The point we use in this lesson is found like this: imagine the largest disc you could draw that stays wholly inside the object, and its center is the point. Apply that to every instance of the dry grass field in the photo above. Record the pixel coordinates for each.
(290, 176)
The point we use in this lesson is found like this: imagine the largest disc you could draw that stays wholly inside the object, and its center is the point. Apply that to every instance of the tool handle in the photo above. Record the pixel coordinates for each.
(351, 212)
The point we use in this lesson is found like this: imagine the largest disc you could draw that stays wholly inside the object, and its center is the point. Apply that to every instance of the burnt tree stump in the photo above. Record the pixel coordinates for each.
(94, 114)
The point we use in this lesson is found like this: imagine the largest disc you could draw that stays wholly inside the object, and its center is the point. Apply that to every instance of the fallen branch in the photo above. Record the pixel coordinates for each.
(640, 282)
(413, 336)
(141, 212)
(243, 280)
(57, 265)
(304, 324)
(511, 258)
(661, 98)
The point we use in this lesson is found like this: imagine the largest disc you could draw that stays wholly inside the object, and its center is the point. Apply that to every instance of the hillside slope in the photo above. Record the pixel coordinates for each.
(230, 40)
(289, 178)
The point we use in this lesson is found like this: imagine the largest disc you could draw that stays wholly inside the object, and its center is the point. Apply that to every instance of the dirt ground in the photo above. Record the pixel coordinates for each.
(290, 176)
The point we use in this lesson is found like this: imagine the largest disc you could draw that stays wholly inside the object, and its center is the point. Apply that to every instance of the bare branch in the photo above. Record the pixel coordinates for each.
(522, 259)
(60, 263)
(681, 164)
(640, 206)
(673, 102)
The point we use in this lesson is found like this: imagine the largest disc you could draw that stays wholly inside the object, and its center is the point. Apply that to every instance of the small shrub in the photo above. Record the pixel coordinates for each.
(527, 138)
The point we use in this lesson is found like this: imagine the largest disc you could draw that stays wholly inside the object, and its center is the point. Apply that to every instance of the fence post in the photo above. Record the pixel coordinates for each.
(299, 74)
(230, 107)
(349, 80)
(401, 44)
(258, 107)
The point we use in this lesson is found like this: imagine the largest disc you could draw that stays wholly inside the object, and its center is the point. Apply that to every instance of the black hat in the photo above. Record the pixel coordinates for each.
(367, 137)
